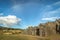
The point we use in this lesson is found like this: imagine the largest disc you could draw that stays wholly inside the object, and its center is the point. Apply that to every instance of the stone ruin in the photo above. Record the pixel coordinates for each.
(44, 29)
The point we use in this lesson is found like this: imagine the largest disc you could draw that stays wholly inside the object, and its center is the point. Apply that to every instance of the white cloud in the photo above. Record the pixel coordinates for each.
(54, 4)
(52, 13)
(9, 20)
(51, 10)
(57, 3)
(50, 19)
(17, 8)
(1, 14)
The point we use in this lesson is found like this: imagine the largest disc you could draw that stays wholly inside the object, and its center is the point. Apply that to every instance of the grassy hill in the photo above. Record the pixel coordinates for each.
(6, 30)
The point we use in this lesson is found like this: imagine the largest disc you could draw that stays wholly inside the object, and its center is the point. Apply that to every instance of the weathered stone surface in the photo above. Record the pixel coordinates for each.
(45, 29)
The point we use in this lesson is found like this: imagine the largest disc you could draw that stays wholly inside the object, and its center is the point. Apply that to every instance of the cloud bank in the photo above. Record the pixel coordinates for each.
(9, 20)
(50, 19)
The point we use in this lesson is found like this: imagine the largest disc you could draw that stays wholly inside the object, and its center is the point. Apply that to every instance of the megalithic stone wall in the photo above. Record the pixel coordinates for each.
(51, 26)
(58, 26)
(43, 30)
(46, 29)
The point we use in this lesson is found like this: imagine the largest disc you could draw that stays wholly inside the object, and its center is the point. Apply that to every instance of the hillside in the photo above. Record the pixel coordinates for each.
(6, 30)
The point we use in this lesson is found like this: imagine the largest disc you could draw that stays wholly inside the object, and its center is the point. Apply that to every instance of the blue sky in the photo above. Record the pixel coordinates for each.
(31, 12)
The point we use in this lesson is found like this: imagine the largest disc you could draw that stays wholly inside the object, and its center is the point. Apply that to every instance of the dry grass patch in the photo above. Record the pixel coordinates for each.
(28, 37)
